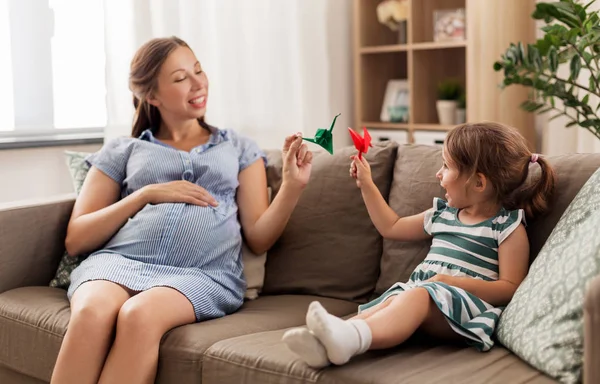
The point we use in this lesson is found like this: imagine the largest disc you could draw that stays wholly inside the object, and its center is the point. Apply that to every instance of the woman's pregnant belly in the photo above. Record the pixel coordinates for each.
(178, 234)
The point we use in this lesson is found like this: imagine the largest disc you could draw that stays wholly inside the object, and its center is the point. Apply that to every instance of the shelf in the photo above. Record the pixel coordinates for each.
(385, 125)
(415, 47)
(385, 48)
(431, 127)
(439, 45)
(381, 68)
(430, 67)
(422, 18)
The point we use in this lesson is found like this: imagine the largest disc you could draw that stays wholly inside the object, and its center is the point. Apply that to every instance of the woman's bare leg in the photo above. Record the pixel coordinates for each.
(94, 309)
(141, 323)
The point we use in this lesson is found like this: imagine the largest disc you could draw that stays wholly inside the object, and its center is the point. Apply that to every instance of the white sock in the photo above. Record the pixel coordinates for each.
(342, 339)
(303, 343)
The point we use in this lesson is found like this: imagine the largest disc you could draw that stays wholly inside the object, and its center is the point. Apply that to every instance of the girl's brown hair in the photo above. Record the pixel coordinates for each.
(501, 154)
(143, 81)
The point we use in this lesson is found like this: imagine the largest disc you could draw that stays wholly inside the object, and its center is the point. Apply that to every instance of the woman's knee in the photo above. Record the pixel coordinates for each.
(95, 306)
(94, 313)
(136, 318)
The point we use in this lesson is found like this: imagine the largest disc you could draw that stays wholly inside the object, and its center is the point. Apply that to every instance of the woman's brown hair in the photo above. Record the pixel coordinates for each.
(501, 154)
(143, 81)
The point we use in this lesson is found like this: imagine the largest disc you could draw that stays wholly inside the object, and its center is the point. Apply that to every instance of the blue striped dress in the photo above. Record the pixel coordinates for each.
(195, 250)
(461, 250)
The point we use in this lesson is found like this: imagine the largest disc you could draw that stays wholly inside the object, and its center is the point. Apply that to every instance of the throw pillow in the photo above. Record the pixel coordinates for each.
(543, 324)
(254, 265)
(78, 169)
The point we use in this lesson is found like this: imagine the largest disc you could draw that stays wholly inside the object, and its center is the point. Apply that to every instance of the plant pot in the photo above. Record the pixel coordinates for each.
(446, 110)
(461, 116)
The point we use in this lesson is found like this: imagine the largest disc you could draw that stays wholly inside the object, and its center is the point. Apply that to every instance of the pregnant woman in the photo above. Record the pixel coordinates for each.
(162, 214)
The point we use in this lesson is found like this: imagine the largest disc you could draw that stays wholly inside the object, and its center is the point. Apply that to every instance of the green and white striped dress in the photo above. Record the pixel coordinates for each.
(461, 250)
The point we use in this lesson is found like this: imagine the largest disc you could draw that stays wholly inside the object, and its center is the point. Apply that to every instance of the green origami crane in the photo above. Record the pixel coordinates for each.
(323, 137)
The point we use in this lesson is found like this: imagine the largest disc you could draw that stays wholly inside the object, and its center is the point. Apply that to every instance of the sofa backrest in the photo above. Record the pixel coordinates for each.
(330, 246)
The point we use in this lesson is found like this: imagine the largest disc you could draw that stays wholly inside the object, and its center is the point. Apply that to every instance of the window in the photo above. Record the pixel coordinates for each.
(53, 77)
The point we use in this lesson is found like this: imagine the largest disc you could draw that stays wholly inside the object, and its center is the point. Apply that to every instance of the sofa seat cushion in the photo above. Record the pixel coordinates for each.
(263, 358)
(33, 321)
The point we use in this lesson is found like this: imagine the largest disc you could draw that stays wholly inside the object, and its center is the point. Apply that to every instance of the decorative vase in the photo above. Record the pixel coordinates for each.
(461, 115)
(446, 110)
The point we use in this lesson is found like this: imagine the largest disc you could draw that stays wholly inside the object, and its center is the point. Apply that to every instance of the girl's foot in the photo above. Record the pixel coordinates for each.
(342, 339)
(304, 344)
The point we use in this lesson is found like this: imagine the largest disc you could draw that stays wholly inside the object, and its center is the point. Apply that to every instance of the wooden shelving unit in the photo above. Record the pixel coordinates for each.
(491, 26)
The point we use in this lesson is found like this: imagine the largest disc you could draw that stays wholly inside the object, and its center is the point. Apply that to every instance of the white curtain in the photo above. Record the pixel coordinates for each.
(555, 138)
(275, 67)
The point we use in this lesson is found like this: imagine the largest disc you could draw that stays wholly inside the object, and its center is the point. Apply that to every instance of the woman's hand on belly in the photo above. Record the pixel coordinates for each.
(180, 191)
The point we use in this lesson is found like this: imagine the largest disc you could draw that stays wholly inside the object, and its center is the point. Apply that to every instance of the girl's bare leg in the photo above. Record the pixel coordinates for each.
(385, 328)
(303, 342)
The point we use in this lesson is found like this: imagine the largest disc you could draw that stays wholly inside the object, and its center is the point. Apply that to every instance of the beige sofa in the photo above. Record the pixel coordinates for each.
(330, 252)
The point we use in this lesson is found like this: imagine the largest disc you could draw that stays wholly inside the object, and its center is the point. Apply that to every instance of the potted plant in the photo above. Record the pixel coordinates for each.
(449, 91)
(461, 109)
(572, 35)
(394, 15)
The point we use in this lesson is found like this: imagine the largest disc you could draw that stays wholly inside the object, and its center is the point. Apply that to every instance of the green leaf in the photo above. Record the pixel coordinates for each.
(527, 82)
(572, 123)
(497, 66)
(572, 35)
(531, 106)
(575, 67)
(541, 46)
(511, 56)
(546, 110)
(585, 99)
(590, 123)
(580, 12)
(521, 52)
(553, 58)
(571, 103)
(540, 84)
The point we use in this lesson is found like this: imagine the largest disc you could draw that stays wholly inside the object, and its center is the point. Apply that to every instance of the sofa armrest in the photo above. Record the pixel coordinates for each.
(591, 342)
(32, 235)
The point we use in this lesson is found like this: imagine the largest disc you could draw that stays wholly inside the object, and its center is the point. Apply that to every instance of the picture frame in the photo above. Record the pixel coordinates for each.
(396, 102)
(449, 25)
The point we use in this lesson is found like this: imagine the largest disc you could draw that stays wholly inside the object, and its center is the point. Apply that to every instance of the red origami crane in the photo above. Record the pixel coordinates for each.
(361, 143)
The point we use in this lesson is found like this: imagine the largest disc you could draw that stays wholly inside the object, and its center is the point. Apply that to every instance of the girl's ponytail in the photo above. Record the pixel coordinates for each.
(535, 196)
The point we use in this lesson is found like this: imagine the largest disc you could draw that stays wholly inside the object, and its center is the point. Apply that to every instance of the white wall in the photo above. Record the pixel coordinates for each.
(36, 173)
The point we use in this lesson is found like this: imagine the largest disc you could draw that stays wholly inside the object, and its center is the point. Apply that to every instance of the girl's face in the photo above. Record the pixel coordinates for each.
(182, 86)
(454, 184)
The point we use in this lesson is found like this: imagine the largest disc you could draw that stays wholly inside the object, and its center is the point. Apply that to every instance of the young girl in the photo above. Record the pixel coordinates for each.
(478, 257)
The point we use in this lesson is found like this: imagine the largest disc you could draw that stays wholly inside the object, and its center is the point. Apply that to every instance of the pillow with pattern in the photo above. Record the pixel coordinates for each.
(254, 265)
(543, 323)
(78, 169)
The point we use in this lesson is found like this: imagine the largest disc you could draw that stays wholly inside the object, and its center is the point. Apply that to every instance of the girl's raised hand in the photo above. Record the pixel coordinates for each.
(360, 170)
